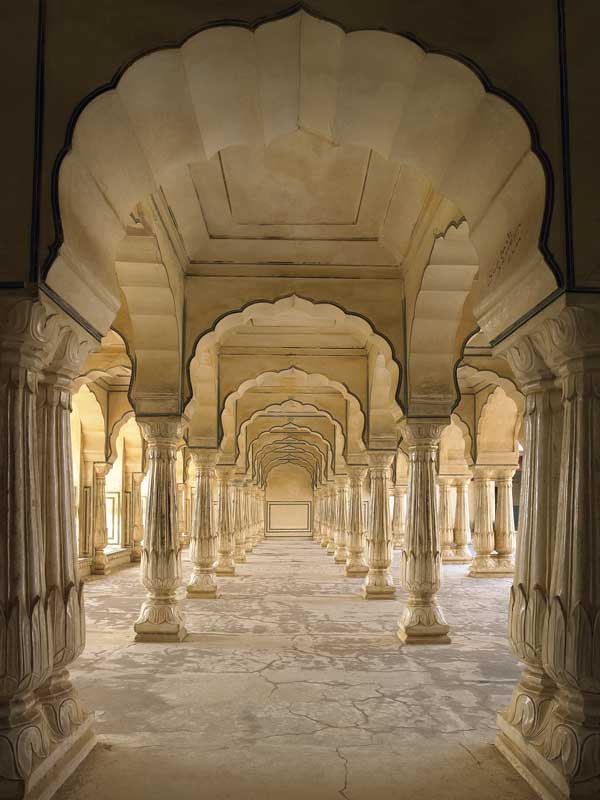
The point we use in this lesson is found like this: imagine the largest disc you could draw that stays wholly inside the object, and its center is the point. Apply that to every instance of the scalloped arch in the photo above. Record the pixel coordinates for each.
(233, 84)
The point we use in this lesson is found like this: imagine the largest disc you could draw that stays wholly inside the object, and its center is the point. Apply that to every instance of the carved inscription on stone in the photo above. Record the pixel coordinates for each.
(506, 253)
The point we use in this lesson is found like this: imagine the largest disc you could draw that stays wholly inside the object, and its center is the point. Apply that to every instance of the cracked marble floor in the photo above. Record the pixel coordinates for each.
(291, 686)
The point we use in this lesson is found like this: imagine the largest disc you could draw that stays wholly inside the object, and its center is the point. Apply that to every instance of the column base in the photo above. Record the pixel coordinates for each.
(51, 772)
(447, 555)
(225, 570)
(544, 776)
(357, 569)
(423, 624)
(100, 565)
(459, 555)
(249, 548)
(486, 567)
(378, 585)
(330, 548)
(340, 556)
(505, 565)
(240, 556)
(160, 620)
(136, 555)
(324, 543)
(202, 586)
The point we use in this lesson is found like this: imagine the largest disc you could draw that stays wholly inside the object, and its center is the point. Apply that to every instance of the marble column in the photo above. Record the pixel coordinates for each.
(181, 516)
(462, 522)
(400, 492)
(100, 564)
(239, 533)
(420, 567)
(504, 534)
(571, 639)
(317, 514)
(160, 618)
(203, 538)
(225, 562)
(38, 567)
(379, 584)
(446, 516)
(524, 724)
(137, 516)
(356, 566)
(333, 520)
(564, 758)
(483, 564)
(341, 550)
(249, 533)
(326, 516)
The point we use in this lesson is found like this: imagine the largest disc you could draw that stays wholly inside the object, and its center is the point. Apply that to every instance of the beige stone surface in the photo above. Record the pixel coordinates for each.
(290, 685)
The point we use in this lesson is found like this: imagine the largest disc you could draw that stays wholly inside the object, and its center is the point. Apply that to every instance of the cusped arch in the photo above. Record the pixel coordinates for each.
(294, 408)
(233, 85)
(498, 429)
(385, 406)
(356, 416)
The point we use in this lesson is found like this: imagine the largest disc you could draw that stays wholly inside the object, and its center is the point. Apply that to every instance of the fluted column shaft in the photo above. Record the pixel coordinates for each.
(379, 584)
(41, 617)
(203, 539)
(160, 617)
(225, 562)
(181, 515)
(483, 528)
(399, 515)
(137, 517)
(420, 566)
(99, 529)
(238, 523)
(248, 532)
(446, 516)
(356, 565)
(534, 694)
(333, 521)
(341, 550)
(504, 535)
(551, 731)
(64, 589)
(462, 522)
(571, 639)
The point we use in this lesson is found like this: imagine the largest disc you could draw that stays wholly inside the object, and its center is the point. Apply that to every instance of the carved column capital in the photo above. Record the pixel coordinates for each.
(380, 461)
(162, 430)
(423, 431)
(357, 474)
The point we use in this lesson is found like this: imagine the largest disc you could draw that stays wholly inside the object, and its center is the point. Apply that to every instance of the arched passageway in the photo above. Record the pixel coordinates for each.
(339, 331)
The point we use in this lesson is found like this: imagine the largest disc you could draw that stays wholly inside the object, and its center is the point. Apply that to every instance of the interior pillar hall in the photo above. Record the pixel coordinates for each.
(379, 584)
(203, 539)
(225, 562)
(462, 522)
(562, 760)
(43, 730)
(420, 566)
(341, 549)
(400, 492)
(356, 565)
(100, 564)
(160, 617)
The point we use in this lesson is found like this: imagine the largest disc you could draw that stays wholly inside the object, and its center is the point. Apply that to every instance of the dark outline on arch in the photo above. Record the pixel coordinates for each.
(301, 6)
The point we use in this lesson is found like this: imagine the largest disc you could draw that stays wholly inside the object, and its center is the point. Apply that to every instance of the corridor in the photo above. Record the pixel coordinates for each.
(291, 686)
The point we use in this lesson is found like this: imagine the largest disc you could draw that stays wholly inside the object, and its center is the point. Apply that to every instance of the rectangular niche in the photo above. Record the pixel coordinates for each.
(288, 518)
